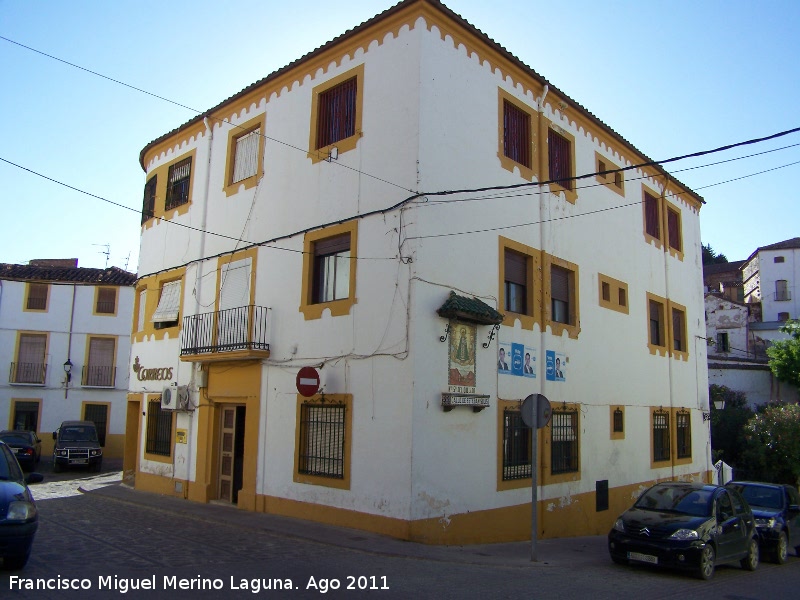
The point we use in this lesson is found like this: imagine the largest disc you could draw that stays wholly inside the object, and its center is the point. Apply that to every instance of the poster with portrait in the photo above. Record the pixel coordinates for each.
(556, 366)
(516, 359)
(461, 362)
(504, 362)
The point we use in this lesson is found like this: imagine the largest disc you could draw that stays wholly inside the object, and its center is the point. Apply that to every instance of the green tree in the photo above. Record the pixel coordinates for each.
(773, 443)
(728, 425)
(712, 258)
(784, 355)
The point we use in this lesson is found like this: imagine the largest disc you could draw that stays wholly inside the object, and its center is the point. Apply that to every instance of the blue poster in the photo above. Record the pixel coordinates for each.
(556, 363)
(516, 359)
(517, 350)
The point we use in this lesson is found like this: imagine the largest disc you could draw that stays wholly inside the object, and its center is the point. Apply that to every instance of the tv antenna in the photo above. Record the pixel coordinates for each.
(107, 253)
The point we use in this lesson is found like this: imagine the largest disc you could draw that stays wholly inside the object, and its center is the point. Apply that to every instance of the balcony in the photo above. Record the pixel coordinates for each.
(27, 373)
(96, 376)
(235, 334)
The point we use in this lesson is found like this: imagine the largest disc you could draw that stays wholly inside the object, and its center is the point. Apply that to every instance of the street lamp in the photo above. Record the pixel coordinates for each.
(68, 371)
(719, 404)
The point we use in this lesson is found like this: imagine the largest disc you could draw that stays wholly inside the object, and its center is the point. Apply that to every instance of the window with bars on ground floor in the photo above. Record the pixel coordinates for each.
(322, 440)
(660, 436)
(683, 433)
(516, 446)
(26, 415)
(564, 441)
(159, 429)
(97, 414)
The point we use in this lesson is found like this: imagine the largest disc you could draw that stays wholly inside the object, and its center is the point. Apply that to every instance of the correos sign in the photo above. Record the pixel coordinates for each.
(156, 374)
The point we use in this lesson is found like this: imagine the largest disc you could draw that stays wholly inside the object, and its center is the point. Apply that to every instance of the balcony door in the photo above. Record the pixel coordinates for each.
(233, 326)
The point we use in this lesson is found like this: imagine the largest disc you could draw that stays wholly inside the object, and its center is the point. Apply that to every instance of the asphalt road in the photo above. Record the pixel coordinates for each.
(124, 549)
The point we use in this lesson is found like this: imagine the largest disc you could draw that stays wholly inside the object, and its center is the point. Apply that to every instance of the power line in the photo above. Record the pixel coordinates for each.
(196, 111)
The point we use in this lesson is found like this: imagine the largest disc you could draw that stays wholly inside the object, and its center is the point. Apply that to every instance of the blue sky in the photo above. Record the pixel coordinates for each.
(671, 77)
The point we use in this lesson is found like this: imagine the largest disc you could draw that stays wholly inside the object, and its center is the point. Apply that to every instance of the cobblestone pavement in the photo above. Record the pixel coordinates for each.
(112, 538)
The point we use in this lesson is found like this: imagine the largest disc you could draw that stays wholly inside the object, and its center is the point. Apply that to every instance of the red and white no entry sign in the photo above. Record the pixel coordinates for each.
(307, 381)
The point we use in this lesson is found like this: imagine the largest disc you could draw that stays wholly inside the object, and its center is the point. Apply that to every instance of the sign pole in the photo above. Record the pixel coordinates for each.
(534, 472)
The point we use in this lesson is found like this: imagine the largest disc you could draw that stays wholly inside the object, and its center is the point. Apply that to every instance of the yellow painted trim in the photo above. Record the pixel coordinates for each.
(28, 285)
(616, 435)
(509, 164)
(654, 349)
(152, 284)
(512, 484)
(547, 449)
(97, 289)
(612, 181)
(158, 457)
(570, 196)
(656, 241)
(679, 354)
(162, 172)
(344, 145)
(136, 326)
(338, 308)
(534, 268)
(347, 401)
(573, 328)
(133, 437)
(615, 286)
(234, 134)
(13, 409)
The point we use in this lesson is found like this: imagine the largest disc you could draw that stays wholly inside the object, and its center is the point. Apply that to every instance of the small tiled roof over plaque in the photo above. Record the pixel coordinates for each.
(470, 310)
(56, 272)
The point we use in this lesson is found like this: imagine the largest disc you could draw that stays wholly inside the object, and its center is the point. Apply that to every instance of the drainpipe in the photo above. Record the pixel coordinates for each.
(69, 342)
(668, 310)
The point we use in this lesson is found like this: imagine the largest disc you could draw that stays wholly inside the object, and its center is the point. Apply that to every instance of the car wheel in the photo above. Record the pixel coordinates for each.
(97, 467)
(56, 467)
(707, 557)
(782, 549)
(750, 562)
(14, 563)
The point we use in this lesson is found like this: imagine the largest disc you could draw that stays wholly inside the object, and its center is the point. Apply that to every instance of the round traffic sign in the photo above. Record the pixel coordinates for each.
(307, 381)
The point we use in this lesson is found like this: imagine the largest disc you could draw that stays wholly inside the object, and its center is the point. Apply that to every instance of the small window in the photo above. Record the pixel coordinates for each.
(783, 316)
(178, 180)
(31, 355)
(516, 446)
(778, 259)
(166, 314)
(516, 282)
(609, 174)
(660, 436)
(100, 370)
(618, 418)
(613, 293)
(564, 441)
(149, 201)
(619, 180)
(159, 430)
(106, 301)
(652, 216)
(722, 342)
(331, 269)
(322, 440)
(516, 134)
(622, 296)
(337, 113)
(37, 296)
(605, 291)
(559, 159)
(683, 430)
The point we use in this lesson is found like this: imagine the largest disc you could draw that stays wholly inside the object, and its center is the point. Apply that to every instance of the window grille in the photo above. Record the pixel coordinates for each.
(516, 134)
(660, 435)
(106, 301)
(37, 296)
(683, 431)
(178, 179)
(619, 422)
(564, 441)
(516, 446)
(337, 113)
(26, 416)
(322, 439)
(149, 201)
(97, 414)
(159, 429)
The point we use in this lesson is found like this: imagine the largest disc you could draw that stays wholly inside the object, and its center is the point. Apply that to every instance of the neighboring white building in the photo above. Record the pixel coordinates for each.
(57, 317)
(428, 315)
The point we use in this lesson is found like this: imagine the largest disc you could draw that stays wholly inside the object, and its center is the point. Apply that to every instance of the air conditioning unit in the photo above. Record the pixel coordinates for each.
(168, 399)
(182, 401)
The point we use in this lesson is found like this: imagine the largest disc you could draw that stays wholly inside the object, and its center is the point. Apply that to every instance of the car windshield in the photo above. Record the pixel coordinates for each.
(13, 439)
(78, 434)
(687, 501)
(758, 495)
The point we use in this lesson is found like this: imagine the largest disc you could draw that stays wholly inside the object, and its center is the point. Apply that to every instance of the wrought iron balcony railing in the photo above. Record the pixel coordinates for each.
(30, 373)
(96, 376)
(242, 328)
